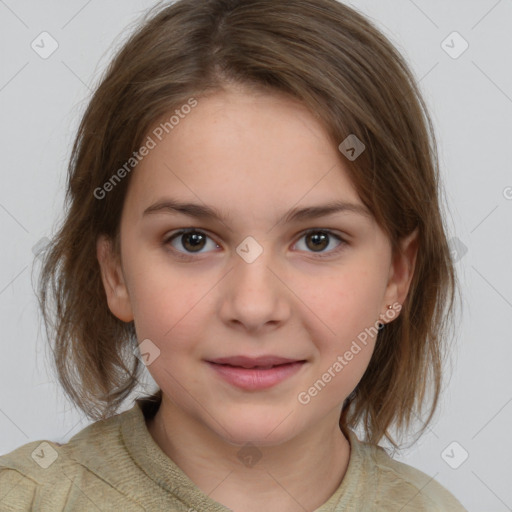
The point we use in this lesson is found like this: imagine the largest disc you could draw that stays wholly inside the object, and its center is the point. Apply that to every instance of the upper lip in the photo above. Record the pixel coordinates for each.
(251, 362)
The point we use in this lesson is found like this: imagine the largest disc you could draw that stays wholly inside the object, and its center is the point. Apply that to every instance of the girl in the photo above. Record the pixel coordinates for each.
(254, 216)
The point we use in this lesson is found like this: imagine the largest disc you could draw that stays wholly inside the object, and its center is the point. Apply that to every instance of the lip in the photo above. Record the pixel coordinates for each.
(251, 362)
(234, 370)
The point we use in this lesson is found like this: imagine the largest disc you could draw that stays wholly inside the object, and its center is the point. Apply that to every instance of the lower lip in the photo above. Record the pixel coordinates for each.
(253, 379)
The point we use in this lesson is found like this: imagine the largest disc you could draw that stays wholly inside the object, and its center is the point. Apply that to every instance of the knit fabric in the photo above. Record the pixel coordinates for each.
(115, 464)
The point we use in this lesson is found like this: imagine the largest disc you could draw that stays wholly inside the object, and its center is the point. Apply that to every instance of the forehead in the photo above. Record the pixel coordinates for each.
(242, 151)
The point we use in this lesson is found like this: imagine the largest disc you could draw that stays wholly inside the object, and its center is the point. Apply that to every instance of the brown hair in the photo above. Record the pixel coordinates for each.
(349, 75)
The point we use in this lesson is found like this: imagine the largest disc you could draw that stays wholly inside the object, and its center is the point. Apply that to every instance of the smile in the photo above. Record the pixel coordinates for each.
(256, 377)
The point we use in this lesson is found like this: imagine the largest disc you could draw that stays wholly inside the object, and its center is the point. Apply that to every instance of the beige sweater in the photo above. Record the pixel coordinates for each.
(115, 465)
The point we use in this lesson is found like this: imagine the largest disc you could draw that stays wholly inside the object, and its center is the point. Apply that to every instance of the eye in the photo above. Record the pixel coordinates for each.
(192, 240)
(317, 240)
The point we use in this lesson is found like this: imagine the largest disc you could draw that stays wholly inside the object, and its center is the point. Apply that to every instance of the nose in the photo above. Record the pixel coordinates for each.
(254, 296)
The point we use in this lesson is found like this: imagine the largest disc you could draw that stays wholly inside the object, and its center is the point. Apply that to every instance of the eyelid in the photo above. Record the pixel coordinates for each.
(333, 234)
(342, 239)
(183, 231)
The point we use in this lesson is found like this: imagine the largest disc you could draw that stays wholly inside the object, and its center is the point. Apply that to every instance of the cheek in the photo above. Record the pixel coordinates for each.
(347, 302)
(342, 321)
(165, 304)
(346, 335)
(171, 320)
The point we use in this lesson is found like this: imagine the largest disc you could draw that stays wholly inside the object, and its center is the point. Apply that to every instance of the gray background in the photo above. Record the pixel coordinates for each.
(470, 99)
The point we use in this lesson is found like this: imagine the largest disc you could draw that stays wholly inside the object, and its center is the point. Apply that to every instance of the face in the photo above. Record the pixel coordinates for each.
(255, 276)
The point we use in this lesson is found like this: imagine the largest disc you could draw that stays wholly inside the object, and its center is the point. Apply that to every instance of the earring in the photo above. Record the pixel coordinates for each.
(381, 325)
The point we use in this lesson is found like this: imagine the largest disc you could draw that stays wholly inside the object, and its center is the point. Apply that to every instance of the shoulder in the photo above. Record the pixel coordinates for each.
(396, 484)
(24, 471)
(44, 475)
(17, 491)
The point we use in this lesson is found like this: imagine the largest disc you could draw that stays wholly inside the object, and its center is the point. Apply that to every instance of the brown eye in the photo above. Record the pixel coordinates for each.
(318, 240)
(192, 241)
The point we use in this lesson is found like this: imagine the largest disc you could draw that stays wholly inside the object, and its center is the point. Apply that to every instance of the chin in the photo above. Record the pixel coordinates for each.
(261, 430)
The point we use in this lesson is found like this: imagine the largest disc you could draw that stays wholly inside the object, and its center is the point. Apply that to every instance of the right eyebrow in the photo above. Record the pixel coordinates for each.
(295, 214)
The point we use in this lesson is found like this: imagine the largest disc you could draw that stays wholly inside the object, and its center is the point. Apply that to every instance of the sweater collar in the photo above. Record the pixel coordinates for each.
(160, 468)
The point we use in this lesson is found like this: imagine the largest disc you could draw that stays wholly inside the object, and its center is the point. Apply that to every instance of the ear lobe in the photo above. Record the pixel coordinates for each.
(118, 298)
(402, 269)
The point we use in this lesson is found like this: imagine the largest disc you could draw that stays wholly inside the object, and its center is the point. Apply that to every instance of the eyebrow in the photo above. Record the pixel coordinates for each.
(295, 214)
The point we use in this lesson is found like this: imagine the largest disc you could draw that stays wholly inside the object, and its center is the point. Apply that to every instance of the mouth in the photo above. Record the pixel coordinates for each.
(262, 362)
(254, 374)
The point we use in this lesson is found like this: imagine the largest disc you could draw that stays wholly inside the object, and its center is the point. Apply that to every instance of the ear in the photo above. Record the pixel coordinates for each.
(113, 280)
(401, 271)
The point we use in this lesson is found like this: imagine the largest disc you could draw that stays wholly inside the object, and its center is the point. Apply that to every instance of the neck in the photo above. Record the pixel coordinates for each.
(260, 478)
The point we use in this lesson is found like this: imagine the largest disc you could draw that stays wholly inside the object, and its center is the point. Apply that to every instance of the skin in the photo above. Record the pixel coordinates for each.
(253, 156)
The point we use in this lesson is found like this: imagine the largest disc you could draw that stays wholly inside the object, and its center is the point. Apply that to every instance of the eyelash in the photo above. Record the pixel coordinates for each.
(190, 256)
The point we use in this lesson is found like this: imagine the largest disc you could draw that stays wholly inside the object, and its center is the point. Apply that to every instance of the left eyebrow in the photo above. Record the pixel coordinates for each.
(295, 214)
